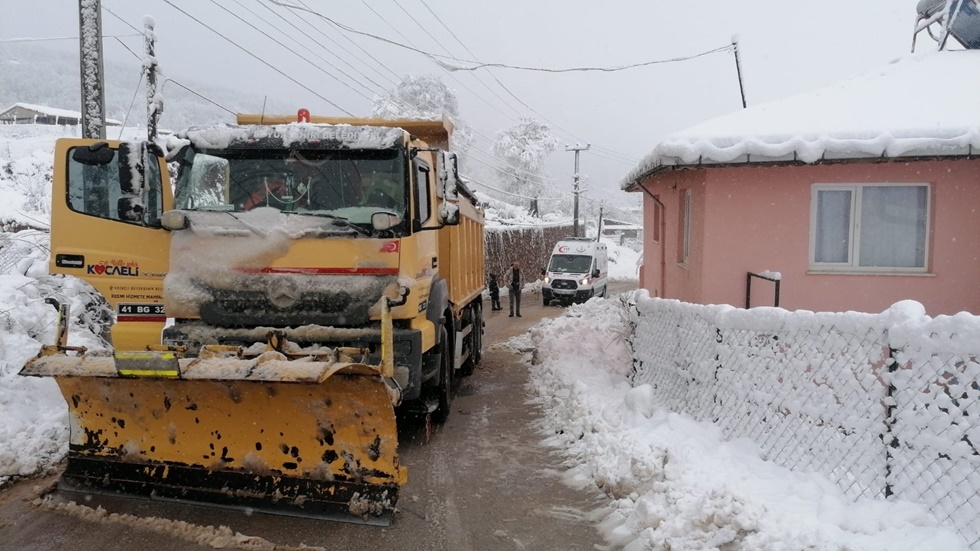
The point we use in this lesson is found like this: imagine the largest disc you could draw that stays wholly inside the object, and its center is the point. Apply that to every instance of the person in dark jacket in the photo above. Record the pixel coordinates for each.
(494, 293)
(514, 289)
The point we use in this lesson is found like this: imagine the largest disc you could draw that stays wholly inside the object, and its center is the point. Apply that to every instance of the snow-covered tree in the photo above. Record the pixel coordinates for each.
(522, 150)
(425, 97)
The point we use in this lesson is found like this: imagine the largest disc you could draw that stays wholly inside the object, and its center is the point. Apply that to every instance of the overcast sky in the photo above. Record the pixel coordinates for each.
(786, 48)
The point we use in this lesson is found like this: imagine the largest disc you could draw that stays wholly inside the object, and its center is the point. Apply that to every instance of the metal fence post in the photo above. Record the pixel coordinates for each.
(889, 438)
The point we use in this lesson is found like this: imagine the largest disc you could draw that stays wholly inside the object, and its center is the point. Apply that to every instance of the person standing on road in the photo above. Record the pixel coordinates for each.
(516, 282)
(494, 293)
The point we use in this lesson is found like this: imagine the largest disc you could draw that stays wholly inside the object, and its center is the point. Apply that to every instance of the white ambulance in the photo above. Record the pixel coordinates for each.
(577, 271)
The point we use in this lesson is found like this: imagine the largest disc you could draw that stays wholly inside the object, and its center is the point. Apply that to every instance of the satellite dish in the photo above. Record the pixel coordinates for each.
(963, 22)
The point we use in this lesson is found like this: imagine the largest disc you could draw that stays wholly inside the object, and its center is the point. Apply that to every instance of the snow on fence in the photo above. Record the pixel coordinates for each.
(884, 404)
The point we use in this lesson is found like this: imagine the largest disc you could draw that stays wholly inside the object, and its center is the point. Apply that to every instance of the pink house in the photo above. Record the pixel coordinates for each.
(852, 197)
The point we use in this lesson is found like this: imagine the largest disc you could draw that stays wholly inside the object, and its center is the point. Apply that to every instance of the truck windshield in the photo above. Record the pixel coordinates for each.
(351, 184)
(570, 263)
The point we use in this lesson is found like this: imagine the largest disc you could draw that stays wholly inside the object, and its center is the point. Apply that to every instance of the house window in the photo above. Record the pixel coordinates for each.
(872, 227)
(684, 231)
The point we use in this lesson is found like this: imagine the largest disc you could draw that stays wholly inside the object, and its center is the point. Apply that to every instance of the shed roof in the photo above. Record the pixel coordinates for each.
(908, 108)
(52, 112)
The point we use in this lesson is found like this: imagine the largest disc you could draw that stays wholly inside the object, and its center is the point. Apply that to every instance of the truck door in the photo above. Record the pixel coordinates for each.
(107, 200)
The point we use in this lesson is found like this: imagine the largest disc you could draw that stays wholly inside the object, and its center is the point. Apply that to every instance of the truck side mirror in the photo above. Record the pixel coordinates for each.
(140, 180)
(448, 177)
(447, 189)
(596, 272)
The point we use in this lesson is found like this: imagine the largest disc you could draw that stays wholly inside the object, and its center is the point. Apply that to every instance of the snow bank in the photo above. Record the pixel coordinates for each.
(676, 483)
(34, 431)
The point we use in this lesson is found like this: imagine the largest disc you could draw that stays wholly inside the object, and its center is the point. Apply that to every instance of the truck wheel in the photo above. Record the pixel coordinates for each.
(476, 341)
(545, 301)
(444, 390)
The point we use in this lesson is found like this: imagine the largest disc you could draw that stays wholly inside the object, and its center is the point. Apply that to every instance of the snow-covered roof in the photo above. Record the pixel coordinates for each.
(909, 108)
(53, 111)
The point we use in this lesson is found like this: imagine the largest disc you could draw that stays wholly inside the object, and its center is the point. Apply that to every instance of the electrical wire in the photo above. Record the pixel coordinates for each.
(294, 52)
(167, 79)
(478, 64)
(51, 38)
(359, 47)
(602, 152)
(325, 48)
(259, 59)
(611, 155)
(131, 104)
(440, 44)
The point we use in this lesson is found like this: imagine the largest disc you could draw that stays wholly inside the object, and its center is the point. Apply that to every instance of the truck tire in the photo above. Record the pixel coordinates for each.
(476, 340)
(444, 390)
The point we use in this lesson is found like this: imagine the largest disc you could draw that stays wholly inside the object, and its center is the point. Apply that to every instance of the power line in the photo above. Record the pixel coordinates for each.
(441, 45)
(344, 27)
(165, 77)
(52, 38)
(511, 93)
(321, 45)
(359, 47)
(259, 59)
(478, 65)
(433, 56)
(294, 52)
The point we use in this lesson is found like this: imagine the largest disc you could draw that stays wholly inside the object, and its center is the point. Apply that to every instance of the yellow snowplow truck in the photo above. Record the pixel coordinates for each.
(298, 283)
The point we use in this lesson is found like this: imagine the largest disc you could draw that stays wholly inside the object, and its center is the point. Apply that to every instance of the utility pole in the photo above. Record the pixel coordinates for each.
(738, 69)
(599, 231)
(154, 105)
(90, 56)
(576, 148)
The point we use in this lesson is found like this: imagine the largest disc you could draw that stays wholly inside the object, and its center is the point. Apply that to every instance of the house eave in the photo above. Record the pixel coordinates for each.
(668, 164)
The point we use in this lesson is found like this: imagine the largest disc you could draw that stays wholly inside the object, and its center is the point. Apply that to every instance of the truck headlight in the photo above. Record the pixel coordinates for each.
(585, 281)
(547, 280)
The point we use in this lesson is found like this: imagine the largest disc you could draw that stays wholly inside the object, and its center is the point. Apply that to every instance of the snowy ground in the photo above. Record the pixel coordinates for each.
(673, 483)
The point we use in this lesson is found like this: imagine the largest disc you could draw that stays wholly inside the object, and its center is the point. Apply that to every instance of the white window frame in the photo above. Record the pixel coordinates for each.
(854, 237)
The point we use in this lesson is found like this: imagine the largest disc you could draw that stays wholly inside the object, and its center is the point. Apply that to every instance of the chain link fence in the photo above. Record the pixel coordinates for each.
(885, 405)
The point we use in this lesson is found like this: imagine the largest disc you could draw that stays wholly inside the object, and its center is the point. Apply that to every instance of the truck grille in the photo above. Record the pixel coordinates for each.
(564, 284)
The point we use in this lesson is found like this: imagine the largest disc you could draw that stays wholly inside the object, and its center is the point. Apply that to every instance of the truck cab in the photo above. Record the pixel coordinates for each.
(577, 271)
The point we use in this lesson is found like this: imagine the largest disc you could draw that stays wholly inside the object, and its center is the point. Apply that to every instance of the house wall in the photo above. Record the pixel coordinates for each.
(755, 218)
(683, 282)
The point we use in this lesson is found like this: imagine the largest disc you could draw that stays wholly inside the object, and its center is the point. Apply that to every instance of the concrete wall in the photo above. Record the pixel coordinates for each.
(529, 246)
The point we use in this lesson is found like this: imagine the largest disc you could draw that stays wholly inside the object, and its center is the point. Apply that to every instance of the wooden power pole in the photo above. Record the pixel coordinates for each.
(90, 56)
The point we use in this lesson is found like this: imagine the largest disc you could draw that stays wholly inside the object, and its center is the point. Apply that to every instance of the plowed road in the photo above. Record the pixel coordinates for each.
(482, 481)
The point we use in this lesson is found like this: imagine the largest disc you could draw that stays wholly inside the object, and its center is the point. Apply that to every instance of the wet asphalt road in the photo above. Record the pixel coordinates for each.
(481, 481)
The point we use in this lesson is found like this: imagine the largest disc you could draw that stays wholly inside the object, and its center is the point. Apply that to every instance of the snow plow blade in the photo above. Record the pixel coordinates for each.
(309, 436)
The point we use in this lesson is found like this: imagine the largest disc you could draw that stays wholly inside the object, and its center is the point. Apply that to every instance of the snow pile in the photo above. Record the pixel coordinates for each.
(675, 483)
(34, 431)
(624, 262)
(821, 391)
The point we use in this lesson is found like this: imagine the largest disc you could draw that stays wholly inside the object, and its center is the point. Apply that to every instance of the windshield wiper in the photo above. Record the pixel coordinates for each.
(337, 220)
